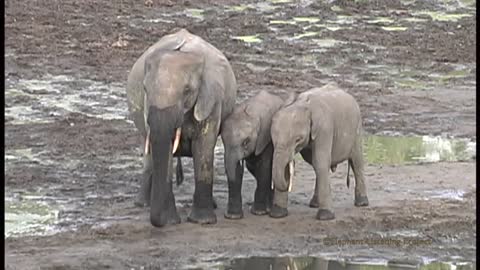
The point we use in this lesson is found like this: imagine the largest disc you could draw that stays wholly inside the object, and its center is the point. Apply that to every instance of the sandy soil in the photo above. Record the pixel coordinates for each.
(417, 81)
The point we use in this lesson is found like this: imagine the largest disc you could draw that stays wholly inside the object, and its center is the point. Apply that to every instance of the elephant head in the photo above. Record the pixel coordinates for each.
(243, 133)
(174, 84)
(291, 132)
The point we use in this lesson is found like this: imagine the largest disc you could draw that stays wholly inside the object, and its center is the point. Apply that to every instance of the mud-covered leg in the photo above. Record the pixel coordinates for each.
(357, 163)
(307, 156)
(321, 152)
(203, 154)
(261, 169)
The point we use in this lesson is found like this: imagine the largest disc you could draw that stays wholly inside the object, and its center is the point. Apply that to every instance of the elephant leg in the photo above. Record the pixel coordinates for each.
(262, 170)
(184, 150)
(143, 196)
(321, 157)
(357, 164)
(203, 154)
(307, 156)
(179, 172)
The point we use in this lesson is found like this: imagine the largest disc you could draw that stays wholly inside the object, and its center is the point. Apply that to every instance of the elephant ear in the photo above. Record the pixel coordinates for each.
(211, 90)
(264, 123)
(318, 120)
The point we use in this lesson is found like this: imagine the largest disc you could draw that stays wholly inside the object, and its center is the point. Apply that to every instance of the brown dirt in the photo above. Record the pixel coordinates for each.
(75, 38)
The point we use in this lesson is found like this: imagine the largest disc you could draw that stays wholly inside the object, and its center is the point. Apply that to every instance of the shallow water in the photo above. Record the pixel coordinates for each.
(316, 263)
(44, 100)
(29, 217)
(402, 150)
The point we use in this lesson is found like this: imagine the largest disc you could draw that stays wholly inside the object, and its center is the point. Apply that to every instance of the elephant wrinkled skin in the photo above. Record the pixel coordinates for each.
(324, 125)
(179, 91)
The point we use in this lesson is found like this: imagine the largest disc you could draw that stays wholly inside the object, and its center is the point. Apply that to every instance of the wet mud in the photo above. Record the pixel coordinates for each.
(73, 161)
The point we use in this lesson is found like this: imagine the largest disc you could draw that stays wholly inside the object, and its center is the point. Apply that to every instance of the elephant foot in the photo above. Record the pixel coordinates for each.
(260, 209)
(361, 201)
(234, 209)
(169, 217)
(202, 216)
(234, 214)
(325, 214)
(314, 202)
(278, 212)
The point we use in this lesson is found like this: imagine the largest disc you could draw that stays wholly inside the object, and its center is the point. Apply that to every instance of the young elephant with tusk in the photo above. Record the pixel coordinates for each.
(324, 126)
(246, 139)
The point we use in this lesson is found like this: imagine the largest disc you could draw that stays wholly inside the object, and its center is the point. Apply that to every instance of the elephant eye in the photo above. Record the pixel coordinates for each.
(246, 142)
(298, 139)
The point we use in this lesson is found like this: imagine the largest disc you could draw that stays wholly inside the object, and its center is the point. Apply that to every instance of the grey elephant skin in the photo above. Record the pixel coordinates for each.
(246, 138)
(325, 126)
(179, 91)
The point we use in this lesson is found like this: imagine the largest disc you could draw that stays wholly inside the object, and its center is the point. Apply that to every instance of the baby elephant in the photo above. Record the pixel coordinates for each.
(324, 125)
(246, 137)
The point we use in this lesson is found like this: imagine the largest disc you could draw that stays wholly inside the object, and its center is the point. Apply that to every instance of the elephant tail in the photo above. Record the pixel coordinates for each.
(348, 173)
(179, 171)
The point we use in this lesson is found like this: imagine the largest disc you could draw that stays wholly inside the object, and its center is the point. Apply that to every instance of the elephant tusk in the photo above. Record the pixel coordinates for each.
(147, 143)
(291, 170)
(177, 140)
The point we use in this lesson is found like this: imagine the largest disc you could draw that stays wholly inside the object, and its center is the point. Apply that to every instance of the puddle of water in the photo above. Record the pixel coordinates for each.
(442, 16)
(238, 8)
(402, 150)
(195, 13)
(327, 43)
(457, 73)
(343, 19)
(248, 39)
(394, 28)
(25, 155)
(336, 8)
(292, 22)
(159, 21)
(28, 217)
(316, 263)
(467, 3)
(54, 96)
(381, 20)
(414, 20)
(306, 34)
(410, 83)
(452, 194)
(306, 19)
(330, 27)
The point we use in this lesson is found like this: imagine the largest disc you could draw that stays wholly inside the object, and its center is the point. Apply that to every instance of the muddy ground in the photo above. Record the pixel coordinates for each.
(412, 72)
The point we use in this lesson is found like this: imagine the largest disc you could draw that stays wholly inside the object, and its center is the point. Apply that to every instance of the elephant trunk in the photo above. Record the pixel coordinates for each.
(234, 166)
(164, 134)
(282, 172)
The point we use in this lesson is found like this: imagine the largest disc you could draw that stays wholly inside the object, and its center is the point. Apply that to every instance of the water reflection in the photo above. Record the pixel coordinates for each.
(401, 150)
(314, 263)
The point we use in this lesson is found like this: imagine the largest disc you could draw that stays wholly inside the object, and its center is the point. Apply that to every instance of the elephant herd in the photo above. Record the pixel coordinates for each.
(181, 96)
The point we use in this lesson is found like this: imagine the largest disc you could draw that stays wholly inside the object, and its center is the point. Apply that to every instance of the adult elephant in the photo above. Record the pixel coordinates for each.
(179, 91)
